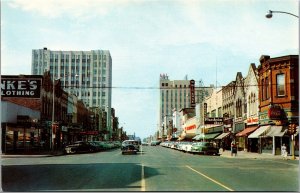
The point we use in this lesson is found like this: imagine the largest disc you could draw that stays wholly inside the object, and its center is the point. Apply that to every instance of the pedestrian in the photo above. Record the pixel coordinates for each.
(223, 145)
(233, 148)
(283, 152)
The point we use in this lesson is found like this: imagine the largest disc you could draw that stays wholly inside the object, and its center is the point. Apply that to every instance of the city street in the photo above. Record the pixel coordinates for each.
(154, 169)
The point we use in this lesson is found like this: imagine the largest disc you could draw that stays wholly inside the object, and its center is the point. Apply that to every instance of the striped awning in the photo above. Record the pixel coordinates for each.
(246, 131)
(223, 135)
(278, 131)
(258, 132)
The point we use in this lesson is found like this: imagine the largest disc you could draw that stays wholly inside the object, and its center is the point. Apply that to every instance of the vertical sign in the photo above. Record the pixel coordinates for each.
(192, 90)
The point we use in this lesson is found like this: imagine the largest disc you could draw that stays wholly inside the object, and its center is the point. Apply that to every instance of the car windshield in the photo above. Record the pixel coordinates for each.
(150, 95)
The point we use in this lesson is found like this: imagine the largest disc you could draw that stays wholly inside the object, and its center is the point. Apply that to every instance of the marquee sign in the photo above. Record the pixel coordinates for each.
(21, 86)
(192, 90)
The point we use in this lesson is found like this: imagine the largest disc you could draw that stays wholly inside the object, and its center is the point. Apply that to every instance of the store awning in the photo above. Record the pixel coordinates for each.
(223, 135)
(246, 131)
(278, 131)
(211, 135)
(206, 136)
(259, 131)
(198, 137)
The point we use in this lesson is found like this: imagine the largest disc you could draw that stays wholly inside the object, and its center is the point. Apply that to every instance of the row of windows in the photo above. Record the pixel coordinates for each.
(176, 86)
(73, 56)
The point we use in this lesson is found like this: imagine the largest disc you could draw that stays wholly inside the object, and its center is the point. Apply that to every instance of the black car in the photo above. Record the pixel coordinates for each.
(80, 147)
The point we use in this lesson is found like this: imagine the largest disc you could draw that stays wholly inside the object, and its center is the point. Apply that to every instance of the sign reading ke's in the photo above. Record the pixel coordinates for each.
(21, 86)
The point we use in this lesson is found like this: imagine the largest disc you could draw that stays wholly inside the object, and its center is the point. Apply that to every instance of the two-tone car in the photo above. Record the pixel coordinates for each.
(130, 146)
(206, 148)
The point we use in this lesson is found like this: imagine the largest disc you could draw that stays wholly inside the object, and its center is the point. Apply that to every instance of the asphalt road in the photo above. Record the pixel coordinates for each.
(154, 169)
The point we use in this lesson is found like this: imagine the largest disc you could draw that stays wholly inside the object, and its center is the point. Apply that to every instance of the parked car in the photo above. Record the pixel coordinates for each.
(130, 146)
(100, 145)
(153, 143)
(80, 147)
(206, 148)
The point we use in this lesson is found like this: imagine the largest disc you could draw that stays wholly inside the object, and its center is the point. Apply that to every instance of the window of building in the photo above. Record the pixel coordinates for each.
(263, 90)
(280, 84)
(267, 88)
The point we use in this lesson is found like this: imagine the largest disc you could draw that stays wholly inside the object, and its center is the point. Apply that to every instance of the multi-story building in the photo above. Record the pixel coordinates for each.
(176, 95)
(228, 99)
(87, 74)
(279, 102)
(251, 100)
(239, 104)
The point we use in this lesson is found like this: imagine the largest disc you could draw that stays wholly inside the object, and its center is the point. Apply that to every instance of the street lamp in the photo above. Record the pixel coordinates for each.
(270, 14)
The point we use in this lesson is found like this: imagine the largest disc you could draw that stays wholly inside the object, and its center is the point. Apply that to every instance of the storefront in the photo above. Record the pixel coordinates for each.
(243, 142)
(270, 138)
(20, 138)
(89, 135)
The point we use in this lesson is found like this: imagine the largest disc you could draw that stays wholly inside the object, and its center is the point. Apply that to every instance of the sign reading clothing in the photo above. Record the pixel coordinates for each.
(16, 86)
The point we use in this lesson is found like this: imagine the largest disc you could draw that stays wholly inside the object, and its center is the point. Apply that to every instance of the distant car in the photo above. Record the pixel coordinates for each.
(80, 147)
(153, 143)
(128, 149)
(145, 144)
(206, 148)
(130, 146)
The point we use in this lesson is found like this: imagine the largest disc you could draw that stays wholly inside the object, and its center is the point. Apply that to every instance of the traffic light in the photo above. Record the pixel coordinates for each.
(292, 129)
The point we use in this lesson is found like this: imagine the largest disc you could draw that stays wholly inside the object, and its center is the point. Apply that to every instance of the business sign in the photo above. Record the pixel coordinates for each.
(21, 86)
(213, 120)
(191, 127)
(275, 113)
(192, 90)
(89, 132)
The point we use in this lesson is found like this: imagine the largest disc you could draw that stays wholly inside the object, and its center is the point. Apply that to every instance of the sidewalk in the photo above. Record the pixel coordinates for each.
(251, 155)
(37, 154)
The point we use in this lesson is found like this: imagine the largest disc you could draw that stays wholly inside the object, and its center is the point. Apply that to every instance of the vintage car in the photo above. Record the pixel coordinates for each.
(130, 146)
(80, 147)
(206, 148)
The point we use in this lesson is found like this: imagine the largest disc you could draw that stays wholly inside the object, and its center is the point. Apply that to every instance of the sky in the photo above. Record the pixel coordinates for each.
(208, 40)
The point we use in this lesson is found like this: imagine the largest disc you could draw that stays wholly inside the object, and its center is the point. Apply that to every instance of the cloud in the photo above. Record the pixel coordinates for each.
(76, 9)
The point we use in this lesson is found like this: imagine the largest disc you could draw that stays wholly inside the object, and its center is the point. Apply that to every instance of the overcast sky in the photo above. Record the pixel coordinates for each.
(208, 40)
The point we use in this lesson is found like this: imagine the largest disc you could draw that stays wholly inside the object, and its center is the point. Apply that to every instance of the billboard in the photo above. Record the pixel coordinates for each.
(26, 86)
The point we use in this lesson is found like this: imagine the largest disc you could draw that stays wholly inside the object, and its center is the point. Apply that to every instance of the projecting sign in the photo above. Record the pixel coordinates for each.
(214, 120)
(21, 86)
(192, 90)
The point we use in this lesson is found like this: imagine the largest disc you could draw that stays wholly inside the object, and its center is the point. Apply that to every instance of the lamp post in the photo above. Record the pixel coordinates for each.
(270, 14)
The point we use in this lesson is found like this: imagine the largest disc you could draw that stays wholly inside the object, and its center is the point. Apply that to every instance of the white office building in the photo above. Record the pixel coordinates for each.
(176, 95)
(87, 74)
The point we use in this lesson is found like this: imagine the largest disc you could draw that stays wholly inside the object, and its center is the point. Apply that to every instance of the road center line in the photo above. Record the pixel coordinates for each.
(210, 178)
(143, 188)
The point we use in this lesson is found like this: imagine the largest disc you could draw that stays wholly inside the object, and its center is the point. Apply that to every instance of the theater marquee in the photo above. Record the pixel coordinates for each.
(21, 86)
